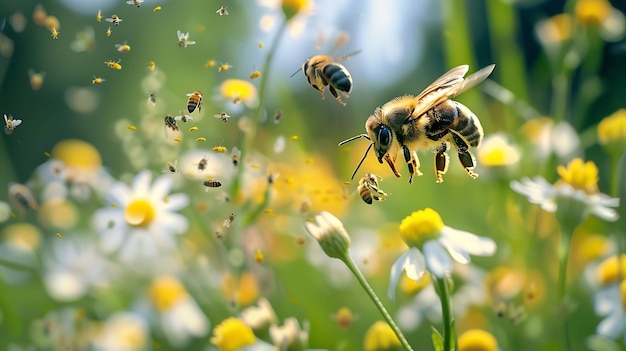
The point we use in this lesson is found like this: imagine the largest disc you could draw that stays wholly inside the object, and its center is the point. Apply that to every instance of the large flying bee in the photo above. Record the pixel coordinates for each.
(369, 189)
(194, 101)
(171, 130)
(427, 120)
(322, 70)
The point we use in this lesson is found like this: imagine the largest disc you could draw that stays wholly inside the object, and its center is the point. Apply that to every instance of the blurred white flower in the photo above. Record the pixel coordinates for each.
(140, 221)
(123, 331)
(609, 303)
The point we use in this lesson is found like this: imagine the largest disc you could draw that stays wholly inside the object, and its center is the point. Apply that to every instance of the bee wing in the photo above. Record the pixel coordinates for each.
(345, 57)
(449, 84)
(16, 122)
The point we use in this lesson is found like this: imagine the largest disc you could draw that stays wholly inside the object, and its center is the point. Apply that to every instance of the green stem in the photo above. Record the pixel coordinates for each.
(564, 246)
(446, 311)
(359, 276)
(16, 266)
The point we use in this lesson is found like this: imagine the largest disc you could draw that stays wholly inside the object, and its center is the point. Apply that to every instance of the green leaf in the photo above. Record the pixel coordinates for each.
(437, 339)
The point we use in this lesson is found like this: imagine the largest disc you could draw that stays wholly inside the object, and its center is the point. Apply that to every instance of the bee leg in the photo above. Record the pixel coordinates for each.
(441, 161)
(334, 92)
(412, 162)
(465, 156)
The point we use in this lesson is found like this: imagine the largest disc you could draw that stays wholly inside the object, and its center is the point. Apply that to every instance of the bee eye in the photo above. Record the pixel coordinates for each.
(384, 136)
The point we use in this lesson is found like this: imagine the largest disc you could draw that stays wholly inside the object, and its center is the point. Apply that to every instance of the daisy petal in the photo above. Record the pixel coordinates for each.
(141, 184)
(437, 260)
(467, 242)
(413, 263)
(161, 187)
(176, 202)
(613, 325)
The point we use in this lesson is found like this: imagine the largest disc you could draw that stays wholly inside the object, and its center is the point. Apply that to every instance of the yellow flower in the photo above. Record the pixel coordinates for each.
(380, 337)
(232, 334)
(77, 154)
(555, 29)
(413, 287)
(166, 292)
(344, 318)
(58, 213)
(139, 213)
(242, 290)
(421, 226)
(477, 340)
(610, 271)
(238, 90)
(581, 176)
(292, 7)
(497, 151)
(23, 236)
(612, 131)
(592, 12)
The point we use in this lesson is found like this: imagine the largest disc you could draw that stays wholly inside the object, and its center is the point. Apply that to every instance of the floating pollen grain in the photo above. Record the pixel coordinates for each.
(201, 139)
(259, 256)
(294, 137)
(193, 129)
(133, 128)
(158, 8)
(59, 235)
(220, 149)
(114, 205)
(308, 161)
(178, 139)
(347, 182)
(47, 154)
(255, 165)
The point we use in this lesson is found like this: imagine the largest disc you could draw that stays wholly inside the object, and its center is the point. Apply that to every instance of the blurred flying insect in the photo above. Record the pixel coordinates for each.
(122, 47)
(235, 154)
(224, 67)
(322, 70)
(54, 33)
(429, 119)
(97, 80)
(108, 32)
(114, 19)
(135, 2)
(229, 220)
(22, 197)
(202, 164)
(36, 79)
(211, 184)
(152, 98)
(10, 124)
(171, 130)
(369, 189)
(113, 64)
(223, 115)
(220, 149)
(99, 16)
(209, 63)
(255, 74)
(278, 115)
(172, 167)
(183, 39)
(183, 117)
(222, 11)
(194, 101)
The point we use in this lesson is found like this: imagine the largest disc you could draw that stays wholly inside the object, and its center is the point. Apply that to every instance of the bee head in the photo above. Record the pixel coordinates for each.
(380, 134)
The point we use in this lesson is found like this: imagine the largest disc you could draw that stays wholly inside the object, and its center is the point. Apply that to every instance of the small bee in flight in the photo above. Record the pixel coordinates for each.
(322, 70)
(194, 101)
(114, 19)
(427, 120)
(223, 115)
(10, 124)
(135, 2)
(369, 189)
(222, 11)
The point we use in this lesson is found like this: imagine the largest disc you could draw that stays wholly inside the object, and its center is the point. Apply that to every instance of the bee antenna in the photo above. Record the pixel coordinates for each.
(294, 73)
(355, 138)
(361, 162)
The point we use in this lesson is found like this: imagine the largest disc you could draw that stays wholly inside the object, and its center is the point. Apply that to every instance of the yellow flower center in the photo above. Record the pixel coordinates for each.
(580, 175)
(496, 151)
(610, 271)
(420, 227)
(412, 287)
(23, 235)
(557, 29)
(238, 89)
(139, 213)
(243, 291)
(232, 334)
(380, 337)
(293, 7)
(592, 12)
(612, 130)
(77, 154)
(165, 292)
(477, 340)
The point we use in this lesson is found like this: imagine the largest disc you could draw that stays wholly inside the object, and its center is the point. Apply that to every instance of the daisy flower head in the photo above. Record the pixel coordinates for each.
(611, 304)
(238, 91)
(477, 339)
(140, 220)
(575, 195)
(330, 234)
(290, 336)
(612, 132)
(232, 334)
(380, 336)
(432, 245)
(123, 331)
(497, 151)
(179, 315)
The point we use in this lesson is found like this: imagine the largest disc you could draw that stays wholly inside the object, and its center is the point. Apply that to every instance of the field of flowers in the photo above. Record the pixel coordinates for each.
(172, 180)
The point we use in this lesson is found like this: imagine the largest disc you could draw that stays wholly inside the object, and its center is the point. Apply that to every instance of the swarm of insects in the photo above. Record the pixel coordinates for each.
(427, 120)
(369, 189)
(322, 70)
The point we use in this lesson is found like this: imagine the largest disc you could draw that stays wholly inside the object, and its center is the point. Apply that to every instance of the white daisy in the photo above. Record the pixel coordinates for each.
(140, 221)
(576, 190)
(72, 266)
(432, 247)
(123, 331)
(609, 302)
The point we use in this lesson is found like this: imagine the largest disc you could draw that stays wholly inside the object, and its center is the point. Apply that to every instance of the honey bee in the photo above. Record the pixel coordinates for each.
(202, 165)
(194, 101)
(172, 167)
(235, 155)
(122, 47)
(224, 67)
(183, 39)
(135, 2)
(113, 64)
(211, 184)
(223, 115)
(10, 124)
(97, 80)
(322, 70)
(152, 98)
(229, 220)
(255, 74)
(170, 126)
(22, 197)
(183, 117)
(278, 115)
(114, 19)
(427, 120)
(369, 190)
(222, 11)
